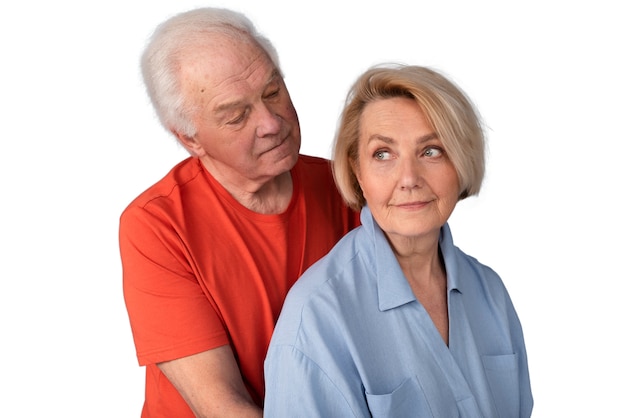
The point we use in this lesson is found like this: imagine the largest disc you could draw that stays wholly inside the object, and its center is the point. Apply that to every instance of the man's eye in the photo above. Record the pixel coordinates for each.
(237, 119)
(381, 155)
(272, 94)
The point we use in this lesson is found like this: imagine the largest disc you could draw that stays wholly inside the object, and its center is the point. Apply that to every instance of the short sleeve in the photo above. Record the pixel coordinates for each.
(170, 315)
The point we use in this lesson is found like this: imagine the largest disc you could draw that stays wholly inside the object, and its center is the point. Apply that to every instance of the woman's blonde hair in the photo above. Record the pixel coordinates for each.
(447, 108)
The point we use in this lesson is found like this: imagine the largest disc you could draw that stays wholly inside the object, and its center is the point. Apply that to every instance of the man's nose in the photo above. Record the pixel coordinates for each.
(268, 122)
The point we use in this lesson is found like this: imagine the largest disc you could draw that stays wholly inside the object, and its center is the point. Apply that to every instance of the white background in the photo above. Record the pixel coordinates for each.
(79, 141)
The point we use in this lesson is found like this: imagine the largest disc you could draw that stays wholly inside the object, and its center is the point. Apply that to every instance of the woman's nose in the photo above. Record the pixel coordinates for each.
(410, 176)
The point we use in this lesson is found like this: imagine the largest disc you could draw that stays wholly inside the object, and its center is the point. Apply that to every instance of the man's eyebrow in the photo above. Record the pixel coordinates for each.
(273, 76)
(222, 107)
(387, 140)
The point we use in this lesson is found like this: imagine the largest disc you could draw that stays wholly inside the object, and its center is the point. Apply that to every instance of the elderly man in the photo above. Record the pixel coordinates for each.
(210, 251)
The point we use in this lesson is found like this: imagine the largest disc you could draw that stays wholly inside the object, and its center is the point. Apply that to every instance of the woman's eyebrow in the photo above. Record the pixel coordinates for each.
(388, 140)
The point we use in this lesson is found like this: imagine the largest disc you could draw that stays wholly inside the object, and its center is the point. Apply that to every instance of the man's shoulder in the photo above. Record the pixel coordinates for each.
(313, 162)
(313, 171)
(179, 175)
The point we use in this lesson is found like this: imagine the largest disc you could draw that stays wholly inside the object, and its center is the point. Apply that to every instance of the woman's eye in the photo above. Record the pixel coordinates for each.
(381, 155)
(433, 152)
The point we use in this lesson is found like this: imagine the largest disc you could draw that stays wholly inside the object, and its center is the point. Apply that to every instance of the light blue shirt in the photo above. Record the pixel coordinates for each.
(353, 341)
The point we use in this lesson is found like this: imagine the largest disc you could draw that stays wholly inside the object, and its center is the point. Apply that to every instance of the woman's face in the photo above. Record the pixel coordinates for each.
(407, 179)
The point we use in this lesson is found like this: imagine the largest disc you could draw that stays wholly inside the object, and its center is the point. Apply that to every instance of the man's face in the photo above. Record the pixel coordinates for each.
(247, 128)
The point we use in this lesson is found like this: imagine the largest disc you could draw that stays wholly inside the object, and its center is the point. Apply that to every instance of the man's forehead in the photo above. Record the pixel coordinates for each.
(220, 58)
(237, 93)
(228, 75)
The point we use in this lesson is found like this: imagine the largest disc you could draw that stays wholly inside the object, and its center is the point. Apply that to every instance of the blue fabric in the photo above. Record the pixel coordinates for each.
(353, 341)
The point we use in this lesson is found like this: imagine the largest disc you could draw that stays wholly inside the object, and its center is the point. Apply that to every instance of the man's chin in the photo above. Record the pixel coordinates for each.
(283, 156)
(286, 163)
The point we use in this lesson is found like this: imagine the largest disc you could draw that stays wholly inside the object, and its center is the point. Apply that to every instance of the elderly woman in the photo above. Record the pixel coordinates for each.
(396, 321)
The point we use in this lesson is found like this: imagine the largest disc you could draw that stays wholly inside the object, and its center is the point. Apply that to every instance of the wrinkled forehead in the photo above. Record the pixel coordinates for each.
(217, 68)
(219, 57)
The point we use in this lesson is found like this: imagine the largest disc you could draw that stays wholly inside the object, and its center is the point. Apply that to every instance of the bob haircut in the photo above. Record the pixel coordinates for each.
(449, 111)
(170, 44)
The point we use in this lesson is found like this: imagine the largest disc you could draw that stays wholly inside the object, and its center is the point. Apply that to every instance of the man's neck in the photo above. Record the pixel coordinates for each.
(272, 197)
(266, 197)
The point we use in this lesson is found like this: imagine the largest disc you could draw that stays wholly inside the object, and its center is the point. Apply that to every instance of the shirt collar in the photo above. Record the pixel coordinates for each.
(393, 289)
(450, 253)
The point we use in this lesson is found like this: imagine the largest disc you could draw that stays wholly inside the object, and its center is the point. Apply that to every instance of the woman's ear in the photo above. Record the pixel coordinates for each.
(354, 165)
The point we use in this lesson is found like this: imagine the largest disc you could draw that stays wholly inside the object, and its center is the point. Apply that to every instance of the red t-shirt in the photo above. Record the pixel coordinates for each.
(201, 271)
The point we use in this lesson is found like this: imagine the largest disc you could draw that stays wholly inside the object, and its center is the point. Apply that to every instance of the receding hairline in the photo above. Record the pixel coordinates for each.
(205, 63)
(173, 40)
(213, 38)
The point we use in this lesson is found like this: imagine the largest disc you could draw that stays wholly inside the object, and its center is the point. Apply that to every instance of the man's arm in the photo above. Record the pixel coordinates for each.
(211, 384)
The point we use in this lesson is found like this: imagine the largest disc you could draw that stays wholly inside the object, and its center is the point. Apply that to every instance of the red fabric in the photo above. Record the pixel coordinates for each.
(201, 271)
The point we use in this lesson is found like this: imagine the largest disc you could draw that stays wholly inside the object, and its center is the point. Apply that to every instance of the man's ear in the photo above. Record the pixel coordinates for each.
(190, 143)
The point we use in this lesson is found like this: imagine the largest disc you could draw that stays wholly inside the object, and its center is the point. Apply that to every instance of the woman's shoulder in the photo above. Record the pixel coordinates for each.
(320, 304)
(334, 269)
(467, 270)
